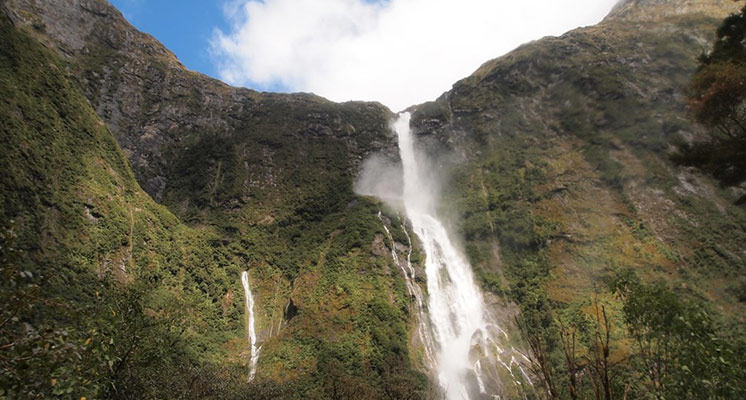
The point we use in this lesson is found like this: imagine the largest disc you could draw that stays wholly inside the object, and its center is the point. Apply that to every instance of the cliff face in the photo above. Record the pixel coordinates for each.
(158, 110)
(90, 263)
(558, 175)
(257, 181)
(563, 180)
(565, 169)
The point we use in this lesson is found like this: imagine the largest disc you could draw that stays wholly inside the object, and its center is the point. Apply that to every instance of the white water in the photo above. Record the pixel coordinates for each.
(423, 321)
(464, 341)
(250, 321)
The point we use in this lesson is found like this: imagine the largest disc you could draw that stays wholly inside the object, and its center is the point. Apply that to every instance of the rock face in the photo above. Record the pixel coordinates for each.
(257, 181)
(564, 146)
(557, 160)
(158, 110)
(651, 10)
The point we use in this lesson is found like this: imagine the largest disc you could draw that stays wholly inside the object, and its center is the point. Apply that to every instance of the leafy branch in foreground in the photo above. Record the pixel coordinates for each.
(655, 343)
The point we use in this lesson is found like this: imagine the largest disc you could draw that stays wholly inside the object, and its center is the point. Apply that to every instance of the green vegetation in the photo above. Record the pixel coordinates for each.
(496, 213)
(717, 98)
(566, 182)
(90, 263)
(106, 294)
(661, 344)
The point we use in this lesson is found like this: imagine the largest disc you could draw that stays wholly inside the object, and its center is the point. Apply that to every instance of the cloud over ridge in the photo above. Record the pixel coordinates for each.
(398, 52)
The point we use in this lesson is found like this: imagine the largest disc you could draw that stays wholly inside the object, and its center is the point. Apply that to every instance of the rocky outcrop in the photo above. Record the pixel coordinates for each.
(651, 10)
(565, 146)
(158, 110)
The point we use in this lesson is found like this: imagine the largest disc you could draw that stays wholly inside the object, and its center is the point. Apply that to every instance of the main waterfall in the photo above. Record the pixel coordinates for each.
(463, 336)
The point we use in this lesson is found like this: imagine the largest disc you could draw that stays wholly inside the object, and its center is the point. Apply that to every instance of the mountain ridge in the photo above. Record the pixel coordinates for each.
(556, 170)
(646, 10)
(124, 70)
(603, 107)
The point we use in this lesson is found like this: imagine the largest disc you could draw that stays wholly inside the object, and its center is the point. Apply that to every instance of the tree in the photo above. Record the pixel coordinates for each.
(570, 350)
(681, 352)
(38, 358)
(717, 99)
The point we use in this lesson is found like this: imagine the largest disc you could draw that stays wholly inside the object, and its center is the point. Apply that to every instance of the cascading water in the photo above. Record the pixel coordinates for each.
(423, 322)
(466, 346)
(250, 321)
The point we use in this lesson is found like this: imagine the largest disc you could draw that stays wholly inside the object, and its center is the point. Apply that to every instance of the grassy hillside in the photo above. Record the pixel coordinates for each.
(101, 291)
(108, 294)
(270, 177)
(565, 183)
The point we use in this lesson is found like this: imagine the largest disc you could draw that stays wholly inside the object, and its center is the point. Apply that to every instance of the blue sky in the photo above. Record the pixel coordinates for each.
(183, 26)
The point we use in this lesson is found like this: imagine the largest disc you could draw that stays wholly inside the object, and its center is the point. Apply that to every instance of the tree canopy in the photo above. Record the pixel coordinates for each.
(717, 99)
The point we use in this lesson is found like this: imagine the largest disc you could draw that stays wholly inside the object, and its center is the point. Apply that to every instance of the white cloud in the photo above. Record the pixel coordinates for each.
(398, 52)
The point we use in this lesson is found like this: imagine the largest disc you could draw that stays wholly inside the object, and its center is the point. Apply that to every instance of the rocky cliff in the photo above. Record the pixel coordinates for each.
(158, 110)
(571, 137)
(557, 161)
(252, 181)
(639, 11)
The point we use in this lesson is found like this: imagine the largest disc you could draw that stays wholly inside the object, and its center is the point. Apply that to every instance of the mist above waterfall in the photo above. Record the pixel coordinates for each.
(382, 176)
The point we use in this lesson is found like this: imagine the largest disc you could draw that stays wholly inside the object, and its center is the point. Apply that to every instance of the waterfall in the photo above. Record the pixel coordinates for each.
(423, 322)
(465, 340)
(250, 322)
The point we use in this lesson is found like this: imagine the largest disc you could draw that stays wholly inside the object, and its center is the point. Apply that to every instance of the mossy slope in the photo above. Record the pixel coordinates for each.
(565, 145)
(562, 175)
(91, 238)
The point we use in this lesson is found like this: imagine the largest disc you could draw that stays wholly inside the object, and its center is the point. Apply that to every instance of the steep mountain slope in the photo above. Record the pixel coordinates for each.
(266, 181)
(567, 141)
(158, 110)
(91, 265)
(558, 172)
(562, 176)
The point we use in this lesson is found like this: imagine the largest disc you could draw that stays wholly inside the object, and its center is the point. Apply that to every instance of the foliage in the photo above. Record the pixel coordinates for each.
(680, 350)
(114, 297)
(572, 349)
(675, 347)
(124, 341)
(36, 360)
(717, 99)
(729, 46)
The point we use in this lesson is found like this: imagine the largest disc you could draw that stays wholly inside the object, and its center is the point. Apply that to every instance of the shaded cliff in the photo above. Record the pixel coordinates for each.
(257, 181)
(158, 110)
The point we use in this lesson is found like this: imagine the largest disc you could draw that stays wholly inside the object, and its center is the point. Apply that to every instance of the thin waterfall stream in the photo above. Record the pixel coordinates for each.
(464, 348)
(251, 325)
(423, 322)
